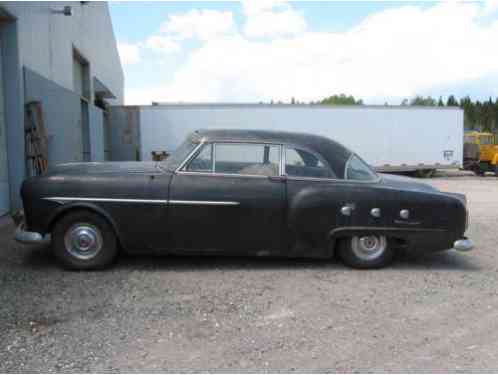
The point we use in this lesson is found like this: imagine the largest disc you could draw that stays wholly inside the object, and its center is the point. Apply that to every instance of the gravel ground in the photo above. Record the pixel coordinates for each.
(436, 312)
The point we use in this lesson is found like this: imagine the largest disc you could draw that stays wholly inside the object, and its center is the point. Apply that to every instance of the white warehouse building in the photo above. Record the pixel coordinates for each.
(64, 56)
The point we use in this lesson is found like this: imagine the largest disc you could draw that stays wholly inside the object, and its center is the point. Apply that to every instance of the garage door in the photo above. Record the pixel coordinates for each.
(4, 175)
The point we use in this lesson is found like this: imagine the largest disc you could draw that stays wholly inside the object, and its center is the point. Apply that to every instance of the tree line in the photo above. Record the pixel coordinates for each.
(478, 115)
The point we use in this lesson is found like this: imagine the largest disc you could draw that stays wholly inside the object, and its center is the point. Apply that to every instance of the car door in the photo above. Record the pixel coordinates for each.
(228, 198)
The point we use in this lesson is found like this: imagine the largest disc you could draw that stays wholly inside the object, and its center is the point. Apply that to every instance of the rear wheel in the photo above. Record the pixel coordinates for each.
(84, 240)
(368, 251)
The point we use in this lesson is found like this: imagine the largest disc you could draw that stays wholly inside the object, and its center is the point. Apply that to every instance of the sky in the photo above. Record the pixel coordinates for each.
(263, 50)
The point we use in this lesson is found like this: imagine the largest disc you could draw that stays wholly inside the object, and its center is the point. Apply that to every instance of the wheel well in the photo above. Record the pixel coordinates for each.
(70, 210)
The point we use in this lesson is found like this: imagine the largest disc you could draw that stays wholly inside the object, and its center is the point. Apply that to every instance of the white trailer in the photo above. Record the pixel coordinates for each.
(390, 138)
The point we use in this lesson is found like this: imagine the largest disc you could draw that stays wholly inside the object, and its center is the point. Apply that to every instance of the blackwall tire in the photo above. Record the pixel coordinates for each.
(364, 252)
(83, 240)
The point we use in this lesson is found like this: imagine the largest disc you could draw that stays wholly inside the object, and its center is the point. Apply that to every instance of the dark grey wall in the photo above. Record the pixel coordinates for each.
(124, 131)
(14, 110)
(63, 120)
(62, 117)
(96, 117)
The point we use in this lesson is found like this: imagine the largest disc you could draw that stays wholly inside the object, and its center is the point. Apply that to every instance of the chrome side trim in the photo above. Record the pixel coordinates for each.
(204, 203)
(63, 200)
(221, 174)
(323, 179)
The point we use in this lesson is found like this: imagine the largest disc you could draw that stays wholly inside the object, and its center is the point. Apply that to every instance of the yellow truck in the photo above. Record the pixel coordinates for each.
(480, 152)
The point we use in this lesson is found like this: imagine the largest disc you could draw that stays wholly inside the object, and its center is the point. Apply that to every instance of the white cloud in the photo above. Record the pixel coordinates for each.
(202, 24)
(490, 6)
(394, 53)
(272, 18)
(129, 53)
(162, 44)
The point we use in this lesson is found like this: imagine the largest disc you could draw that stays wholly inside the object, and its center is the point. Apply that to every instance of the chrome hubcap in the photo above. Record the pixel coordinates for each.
(83, 241)
(368, 247)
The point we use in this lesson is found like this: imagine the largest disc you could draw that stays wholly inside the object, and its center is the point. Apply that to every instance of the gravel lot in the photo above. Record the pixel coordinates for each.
(436, 312)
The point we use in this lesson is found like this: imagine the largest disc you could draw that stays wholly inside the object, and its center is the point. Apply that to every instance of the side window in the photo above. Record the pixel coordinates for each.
(247, 159)
(300, 163)
(203, 161)
(357, 169)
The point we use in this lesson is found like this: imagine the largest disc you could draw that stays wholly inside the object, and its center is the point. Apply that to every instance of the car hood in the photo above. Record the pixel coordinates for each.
(103, 168)
(405, 183)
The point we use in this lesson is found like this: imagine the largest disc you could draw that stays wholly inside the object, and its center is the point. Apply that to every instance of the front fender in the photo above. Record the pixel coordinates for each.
(62, 209)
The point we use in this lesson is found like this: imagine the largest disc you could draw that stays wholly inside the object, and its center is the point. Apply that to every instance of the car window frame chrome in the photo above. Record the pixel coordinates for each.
(191, 156)
(197, 152)
(203, 141)
(306, 149)
(368, 165)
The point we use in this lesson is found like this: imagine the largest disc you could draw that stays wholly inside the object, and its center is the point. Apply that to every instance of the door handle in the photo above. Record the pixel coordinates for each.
(277, 178)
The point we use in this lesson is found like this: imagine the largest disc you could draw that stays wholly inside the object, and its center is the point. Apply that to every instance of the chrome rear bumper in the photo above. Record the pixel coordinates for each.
(463, 244)
(24, 236)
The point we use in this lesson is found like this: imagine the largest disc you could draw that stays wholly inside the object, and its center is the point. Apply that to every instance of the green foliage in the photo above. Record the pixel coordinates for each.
(452, 102)
(341, 99)
(421, 101)
(482, 116)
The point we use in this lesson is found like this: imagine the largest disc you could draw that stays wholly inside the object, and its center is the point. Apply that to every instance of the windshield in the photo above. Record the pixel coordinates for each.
(178, 156)
(357, 169)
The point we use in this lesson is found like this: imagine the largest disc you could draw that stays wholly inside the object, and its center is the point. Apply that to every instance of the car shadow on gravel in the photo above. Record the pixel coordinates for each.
(450, 260)
(214, 262)
(41, 257)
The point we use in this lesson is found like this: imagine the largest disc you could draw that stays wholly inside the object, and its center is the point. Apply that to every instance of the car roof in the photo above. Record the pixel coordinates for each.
(335, 153)
(268, 136)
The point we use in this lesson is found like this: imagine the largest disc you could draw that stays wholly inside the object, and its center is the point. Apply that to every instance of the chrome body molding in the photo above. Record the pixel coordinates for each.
(375, 212)
(27, 237)
(63, 200)
(463, 244)
(205, 203)
(346, 210)
(404, 214)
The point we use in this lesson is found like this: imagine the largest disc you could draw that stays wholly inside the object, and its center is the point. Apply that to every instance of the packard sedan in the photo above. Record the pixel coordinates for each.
(240, 192)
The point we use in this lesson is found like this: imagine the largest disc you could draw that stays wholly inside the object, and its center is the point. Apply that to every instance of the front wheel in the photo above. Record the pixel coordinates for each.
(84, 240)
(369, 251)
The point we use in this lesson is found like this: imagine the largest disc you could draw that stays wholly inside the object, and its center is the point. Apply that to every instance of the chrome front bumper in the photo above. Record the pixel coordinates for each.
(463, 244)
(24, 236)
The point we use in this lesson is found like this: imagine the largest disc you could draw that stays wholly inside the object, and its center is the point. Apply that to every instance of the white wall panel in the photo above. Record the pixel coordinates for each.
(381, 135)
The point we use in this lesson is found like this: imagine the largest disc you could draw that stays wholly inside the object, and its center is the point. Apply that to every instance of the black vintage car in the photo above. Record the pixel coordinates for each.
(240, 193)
